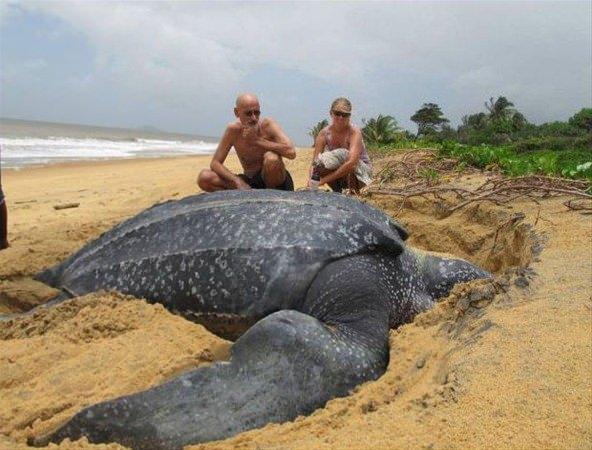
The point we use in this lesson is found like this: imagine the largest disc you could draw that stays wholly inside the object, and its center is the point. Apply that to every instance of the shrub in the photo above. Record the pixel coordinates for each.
(569, 163)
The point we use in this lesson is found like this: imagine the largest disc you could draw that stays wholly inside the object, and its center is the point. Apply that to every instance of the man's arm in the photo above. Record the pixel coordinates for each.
(217, 164)
(281, 143)
(355, 150)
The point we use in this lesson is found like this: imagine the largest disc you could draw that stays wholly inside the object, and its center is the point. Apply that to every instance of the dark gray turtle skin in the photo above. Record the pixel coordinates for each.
(324, 277)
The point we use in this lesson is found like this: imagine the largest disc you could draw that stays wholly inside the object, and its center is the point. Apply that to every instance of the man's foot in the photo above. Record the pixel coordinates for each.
(4, 244)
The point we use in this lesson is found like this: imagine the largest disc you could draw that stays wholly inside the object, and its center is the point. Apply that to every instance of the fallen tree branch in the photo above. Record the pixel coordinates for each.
(496, 191)
(66, 206)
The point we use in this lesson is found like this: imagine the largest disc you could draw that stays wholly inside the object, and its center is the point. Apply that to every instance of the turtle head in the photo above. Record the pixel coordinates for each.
(441, 272)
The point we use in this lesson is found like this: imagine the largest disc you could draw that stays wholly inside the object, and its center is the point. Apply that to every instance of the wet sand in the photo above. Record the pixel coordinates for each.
(495, 365)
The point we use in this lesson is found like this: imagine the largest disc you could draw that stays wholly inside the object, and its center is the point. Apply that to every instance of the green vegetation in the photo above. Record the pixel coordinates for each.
(382, 130)
(314, 131)
(571, 163)
(582, 119)
(429, 119)
(430, 175)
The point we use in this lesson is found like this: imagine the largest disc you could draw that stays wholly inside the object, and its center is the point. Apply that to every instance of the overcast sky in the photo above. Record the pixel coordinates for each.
(179, 65)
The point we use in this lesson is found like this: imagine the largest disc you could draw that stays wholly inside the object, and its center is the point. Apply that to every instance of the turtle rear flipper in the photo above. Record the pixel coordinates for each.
(286, 365)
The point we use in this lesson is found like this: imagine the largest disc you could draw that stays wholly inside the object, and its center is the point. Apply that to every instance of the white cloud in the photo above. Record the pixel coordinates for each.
(139, 47)
(29, 69)
(195, 55)
(8, 11)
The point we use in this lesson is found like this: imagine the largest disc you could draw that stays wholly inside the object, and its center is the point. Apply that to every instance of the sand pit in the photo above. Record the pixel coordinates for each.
(502, 364)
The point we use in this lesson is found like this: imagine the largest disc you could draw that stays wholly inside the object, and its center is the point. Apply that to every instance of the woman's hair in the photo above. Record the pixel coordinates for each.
(341, 101)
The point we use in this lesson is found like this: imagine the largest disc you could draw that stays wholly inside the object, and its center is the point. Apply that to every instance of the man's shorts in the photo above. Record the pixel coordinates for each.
(1, 195)
(256, 182)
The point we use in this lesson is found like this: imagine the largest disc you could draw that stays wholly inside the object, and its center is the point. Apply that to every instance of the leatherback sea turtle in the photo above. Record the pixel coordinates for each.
(325, 275)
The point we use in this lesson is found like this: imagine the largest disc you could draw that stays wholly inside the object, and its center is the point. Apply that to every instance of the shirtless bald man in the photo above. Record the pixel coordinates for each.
(260, 146)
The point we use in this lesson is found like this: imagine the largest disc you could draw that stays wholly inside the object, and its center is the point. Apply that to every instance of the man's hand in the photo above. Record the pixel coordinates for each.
(250, 135)
(241, 185)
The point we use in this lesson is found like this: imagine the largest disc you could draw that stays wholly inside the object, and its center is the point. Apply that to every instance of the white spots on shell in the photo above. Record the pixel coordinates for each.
(369, 238)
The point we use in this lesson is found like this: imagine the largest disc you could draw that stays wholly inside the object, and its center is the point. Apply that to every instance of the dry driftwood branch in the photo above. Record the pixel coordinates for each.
(497, 190)
(414, 166)
(523, 190)
(535, 180)
(23, 202)
(66, 206)
(418, 173)
(578, 205)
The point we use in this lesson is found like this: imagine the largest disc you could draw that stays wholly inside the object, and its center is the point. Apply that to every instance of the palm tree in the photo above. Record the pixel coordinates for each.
(314, 131)
(380, 130)
(499, 109)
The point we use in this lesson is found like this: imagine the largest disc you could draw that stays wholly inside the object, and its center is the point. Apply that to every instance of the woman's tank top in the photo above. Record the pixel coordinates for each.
(329, 145)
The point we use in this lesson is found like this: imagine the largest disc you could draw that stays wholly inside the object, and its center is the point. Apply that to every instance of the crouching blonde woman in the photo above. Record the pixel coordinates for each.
(340, 158)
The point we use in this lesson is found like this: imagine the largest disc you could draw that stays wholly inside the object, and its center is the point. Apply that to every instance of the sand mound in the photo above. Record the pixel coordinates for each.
(492, 237)
(94, 348)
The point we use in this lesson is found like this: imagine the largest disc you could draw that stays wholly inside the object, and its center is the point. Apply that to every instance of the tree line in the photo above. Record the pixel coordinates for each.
(499, 124)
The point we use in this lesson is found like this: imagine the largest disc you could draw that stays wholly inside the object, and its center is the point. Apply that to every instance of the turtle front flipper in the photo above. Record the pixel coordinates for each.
(286, 365)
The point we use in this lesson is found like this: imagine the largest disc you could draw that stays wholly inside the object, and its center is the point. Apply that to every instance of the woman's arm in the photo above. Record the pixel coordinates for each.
(319, 146)
(355, 150)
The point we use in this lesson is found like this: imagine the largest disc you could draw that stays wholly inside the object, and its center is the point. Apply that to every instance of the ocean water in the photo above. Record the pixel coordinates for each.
(24, 143)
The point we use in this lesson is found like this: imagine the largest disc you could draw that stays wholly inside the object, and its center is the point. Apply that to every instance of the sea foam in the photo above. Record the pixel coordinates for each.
(23, 151)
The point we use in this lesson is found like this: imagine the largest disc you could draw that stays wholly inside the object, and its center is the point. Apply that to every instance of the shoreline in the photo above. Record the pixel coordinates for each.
(75, 163)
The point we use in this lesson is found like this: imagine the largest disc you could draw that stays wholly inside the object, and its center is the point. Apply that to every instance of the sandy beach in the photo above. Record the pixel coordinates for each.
(495, 365)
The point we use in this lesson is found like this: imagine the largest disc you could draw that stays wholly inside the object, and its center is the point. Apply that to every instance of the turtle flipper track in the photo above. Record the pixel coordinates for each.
(286, 365)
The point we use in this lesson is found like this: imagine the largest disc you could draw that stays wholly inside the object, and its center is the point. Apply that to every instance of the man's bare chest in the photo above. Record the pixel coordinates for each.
(248, 149)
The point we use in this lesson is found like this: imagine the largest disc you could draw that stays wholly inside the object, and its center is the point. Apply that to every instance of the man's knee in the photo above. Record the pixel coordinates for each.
(202, 177)
(273, 171)
(271, 159)
(205, 179)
